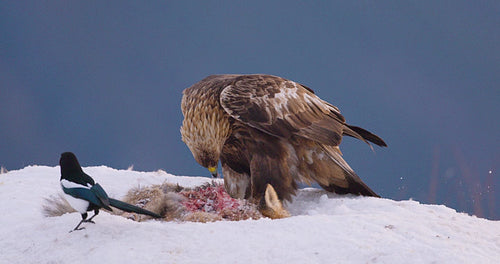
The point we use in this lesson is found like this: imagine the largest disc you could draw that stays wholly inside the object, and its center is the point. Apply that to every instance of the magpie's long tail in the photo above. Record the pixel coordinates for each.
(131, 208)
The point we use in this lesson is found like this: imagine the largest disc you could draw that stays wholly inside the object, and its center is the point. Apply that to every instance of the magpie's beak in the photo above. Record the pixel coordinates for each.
(213, 171)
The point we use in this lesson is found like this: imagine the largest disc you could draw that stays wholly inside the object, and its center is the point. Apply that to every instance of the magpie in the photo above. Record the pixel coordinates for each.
(84, 194)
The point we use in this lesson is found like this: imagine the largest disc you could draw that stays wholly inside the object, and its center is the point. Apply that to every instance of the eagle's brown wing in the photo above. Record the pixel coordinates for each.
(283, 108)
(286, 109)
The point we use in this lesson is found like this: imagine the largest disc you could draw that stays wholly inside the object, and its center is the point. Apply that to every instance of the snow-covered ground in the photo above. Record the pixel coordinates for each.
(324, 228)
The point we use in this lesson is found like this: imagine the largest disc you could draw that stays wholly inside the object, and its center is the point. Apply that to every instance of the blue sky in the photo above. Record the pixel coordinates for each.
(104, 80)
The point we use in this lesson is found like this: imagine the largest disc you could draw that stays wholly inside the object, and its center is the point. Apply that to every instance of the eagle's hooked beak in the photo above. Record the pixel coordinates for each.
(213, 171)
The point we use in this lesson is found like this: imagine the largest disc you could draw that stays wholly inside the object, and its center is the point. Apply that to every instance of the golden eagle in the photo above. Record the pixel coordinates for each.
(269, 130)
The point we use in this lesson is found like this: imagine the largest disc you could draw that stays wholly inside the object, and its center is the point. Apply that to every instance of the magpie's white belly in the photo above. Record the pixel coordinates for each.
(78, 204)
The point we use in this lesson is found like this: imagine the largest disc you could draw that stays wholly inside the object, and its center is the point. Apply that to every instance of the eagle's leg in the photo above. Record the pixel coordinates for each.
(237, 185)
(270, 184)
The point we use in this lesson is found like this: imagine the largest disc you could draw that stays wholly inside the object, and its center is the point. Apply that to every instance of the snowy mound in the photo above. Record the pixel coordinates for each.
(324, 228)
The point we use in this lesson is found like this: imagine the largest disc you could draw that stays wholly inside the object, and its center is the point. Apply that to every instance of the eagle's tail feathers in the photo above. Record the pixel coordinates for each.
(354, 183)
(363, 134)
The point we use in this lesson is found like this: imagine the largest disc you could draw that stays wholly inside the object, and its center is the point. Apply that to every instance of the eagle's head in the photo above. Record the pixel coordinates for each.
(204, 129)
(206, 155)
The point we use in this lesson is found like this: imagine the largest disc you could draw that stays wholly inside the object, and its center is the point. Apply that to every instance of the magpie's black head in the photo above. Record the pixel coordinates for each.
(69, 165)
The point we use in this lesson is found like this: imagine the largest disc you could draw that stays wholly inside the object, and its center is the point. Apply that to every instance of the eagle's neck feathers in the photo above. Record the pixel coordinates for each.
(206, 125)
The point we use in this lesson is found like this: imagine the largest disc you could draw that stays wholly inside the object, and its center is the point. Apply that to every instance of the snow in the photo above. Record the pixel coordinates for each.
(323, 228)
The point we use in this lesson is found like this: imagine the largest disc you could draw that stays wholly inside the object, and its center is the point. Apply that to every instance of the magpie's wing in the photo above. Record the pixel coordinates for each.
(87, 195)
(101, 194)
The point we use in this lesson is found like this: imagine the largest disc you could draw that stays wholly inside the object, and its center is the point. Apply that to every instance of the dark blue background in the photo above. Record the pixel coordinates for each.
(104, 79)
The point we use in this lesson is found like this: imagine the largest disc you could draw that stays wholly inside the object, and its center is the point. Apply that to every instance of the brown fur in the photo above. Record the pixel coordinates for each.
(272, 206)
(170, 201)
